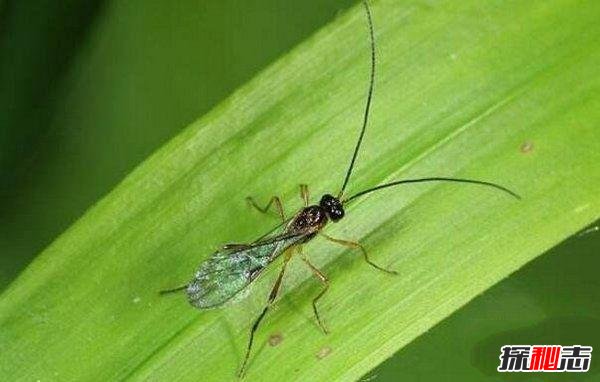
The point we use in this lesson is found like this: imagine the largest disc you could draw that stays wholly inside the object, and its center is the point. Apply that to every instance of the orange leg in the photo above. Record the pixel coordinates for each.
(325, 281)
(304, 195)
(265, 209)
(353, 244)
(272, 297)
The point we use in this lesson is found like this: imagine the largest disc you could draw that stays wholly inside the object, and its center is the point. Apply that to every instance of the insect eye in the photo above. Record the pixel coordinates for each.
(332, 206)
(336, 214)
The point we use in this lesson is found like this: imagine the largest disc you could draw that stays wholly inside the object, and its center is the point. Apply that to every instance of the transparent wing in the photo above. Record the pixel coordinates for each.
(227, 271)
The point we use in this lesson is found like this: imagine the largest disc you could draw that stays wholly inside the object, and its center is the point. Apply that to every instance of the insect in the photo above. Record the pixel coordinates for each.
(231, 269)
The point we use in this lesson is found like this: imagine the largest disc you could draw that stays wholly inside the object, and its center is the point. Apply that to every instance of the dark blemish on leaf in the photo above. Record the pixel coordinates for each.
(526, 147)
(275, 339)
(324, 352)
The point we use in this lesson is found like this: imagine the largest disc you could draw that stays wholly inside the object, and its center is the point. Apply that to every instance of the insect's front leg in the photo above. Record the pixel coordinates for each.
(353, 244)
(324, 281)
(274, 200)
(304, 194)
(272, 297)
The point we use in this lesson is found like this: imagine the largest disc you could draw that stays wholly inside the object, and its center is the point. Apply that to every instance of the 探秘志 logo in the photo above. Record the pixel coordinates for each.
(545, 358)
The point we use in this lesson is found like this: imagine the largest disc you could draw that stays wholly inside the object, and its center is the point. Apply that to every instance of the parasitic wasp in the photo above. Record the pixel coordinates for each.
(234, 267)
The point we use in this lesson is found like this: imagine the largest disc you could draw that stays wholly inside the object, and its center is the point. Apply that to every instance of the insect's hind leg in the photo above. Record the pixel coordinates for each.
(236, 246)
(304, 194)
(272, 297)
(274, 200)
(324, 281)
(173, 290)
(353, 244)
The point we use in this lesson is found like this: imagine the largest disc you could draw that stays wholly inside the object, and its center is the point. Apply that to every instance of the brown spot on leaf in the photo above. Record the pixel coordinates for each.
(275, 339)
(526, 147)
(323, 352)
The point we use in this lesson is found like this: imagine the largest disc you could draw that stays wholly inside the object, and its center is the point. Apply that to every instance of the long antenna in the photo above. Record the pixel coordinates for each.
(364, 127)
(369, 97)
(436, 179)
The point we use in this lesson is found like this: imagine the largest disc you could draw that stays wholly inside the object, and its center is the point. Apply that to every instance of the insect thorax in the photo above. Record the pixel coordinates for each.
(309, 220)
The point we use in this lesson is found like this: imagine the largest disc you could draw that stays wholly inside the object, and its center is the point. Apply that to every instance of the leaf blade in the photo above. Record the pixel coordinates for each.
(116, 253)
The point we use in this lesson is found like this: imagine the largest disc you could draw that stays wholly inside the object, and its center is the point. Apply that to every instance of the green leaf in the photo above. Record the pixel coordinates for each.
(467, 344)
(499, 91)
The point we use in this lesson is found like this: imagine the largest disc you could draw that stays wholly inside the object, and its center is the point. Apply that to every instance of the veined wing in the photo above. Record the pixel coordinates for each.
(226, 272)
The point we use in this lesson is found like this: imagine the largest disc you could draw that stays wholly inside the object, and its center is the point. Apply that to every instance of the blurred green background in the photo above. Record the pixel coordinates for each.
(90, 88)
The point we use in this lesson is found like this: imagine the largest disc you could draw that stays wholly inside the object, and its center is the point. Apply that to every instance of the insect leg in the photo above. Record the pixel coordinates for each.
(304, 194)
(272, 296)
(265, 209)
(167, 291)
(236, 246)
(353, 244)
(325, 281)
